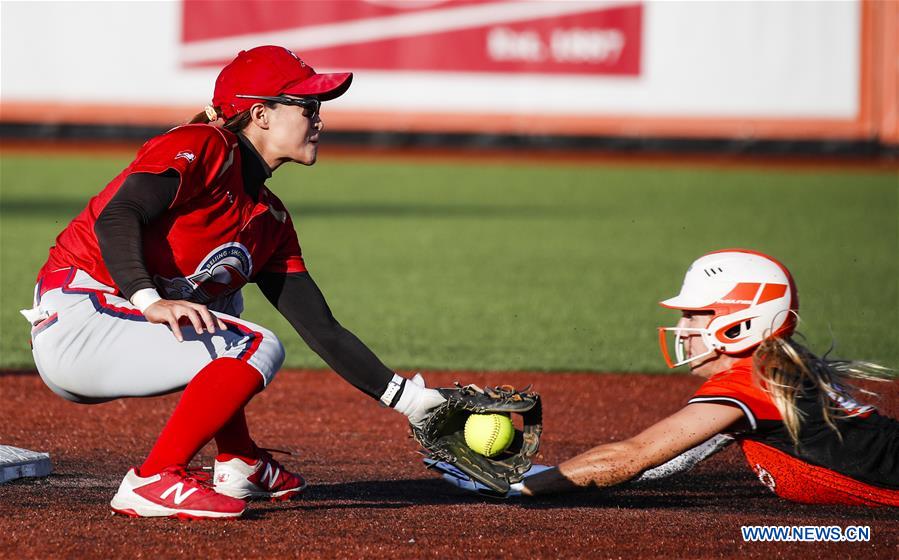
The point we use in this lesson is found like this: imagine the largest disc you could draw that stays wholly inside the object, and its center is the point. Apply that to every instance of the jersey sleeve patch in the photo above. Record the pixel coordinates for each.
(199, 153)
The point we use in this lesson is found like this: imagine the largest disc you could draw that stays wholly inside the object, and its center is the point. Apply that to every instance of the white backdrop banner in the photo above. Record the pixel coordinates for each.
(610, 61)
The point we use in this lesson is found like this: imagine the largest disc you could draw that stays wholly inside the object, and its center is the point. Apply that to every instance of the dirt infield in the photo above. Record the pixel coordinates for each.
(370, 497)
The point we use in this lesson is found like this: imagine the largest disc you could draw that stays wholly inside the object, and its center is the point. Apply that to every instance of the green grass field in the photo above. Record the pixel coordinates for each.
(538, 267)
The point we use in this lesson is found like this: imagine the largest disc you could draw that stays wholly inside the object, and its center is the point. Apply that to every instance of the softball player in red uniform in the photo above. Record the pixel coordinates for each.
(141, 294)
(789, 410)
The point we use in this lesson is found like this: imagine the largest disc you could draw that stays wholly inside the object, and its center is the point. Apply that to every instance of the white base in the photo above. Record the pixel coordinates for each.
(19, 463)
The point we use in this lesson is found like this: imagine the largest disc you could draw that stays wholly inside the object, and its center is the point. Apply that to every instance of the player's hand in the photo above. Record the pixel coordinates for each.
(417, 401)
(173, 311)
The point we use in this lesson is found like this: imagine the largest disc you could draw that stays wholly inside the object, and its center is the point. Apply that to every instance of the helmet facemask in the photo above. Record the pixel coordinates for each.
(681, 339)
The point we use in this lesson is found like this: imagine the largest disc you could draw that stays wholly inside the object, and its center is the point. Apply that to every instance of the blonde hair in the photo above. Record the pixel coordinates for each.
(788, 369)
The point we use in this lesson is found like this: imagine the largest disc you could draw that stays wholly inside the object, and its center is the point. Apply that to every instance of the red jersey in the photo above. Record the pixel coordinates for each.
(860, 465)
(213, 239)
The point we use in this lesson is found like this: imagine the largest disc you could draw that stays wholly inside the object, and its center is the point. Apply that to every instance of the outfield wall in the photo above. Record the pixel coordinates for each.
(804, 70)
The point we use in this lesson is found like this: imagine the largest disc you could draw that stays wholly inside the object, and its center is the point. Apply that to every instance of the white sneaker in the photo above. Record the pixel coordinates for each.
(265, 478)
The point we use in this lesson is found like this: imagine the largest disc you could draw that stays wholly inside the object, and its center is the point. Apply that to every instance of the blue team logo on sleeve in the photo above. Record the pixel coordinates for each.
(225, 270)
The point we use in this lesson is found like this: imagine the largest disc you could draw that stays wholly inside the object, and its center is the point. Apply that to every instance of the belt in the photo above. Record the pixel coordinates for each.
(57, 279)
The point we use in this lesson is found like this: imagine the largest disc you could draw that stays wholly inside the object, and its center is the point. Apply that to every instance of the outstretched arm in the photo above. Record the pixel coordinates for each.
(614, 463)
(686, 460)
(302, 303)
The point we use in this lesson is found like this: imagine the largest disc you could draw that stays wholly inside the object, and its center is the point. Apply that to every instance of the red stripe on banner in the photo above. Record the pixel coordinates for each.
(213, 19)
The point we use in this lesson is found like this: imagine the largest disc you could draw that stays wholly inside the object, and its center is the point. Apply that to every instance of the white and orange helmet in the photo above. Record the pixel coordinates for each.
(751, 296)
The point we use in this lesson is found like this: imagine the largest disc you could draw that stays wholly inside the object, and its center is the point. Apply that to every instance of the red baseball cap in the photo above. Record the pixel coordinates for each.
(272, 71)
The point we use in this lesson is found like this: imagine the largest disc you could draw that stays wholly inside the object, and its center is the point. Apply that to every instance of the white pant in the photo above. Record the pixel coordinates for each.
(91, 346)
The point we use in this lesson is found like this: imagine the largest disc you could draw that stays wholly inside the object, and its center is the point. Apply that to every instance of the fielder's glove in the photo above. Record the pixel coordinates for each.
(442, 433)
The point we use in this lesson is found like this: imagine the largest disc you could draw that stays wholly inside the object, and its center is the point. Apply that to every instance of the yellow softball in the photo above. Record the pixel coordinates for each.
(489, 434)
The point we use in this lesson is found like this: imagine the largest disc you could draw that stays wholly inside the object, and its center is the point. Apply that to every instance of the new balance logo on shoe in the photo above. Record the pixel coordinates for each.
(179, 496)
(271, 474)
(263, 478)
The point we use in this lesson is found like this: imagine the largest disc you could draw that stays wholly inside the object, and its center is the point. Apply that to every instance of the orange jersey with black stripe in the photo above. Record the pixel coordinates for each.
(862, 459)
(213, 239)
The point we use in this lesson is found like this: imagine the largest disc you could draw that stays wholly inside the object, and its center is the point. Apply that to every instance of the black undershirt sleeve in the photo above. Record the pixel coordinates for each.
(298, 298)
(142, 198)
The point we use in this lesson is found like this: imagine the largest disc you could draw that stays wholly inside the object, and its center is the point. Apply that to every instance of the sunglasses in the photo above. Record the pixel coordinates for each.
(311, 104)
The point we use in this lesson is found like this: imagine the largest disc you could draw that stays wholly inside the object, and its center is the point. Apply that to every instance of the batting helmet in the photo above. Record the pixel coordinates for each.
(751, 297)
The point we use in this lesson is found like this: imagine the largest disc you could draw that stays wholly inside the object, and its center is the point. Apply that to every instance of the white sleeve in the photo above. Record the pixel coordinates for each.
(687, 460)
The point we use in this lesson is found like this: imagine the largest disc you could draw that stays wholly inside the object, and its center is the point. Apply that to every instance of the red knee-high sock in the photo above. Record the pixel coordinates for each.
(233, 439)
(209, 401)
